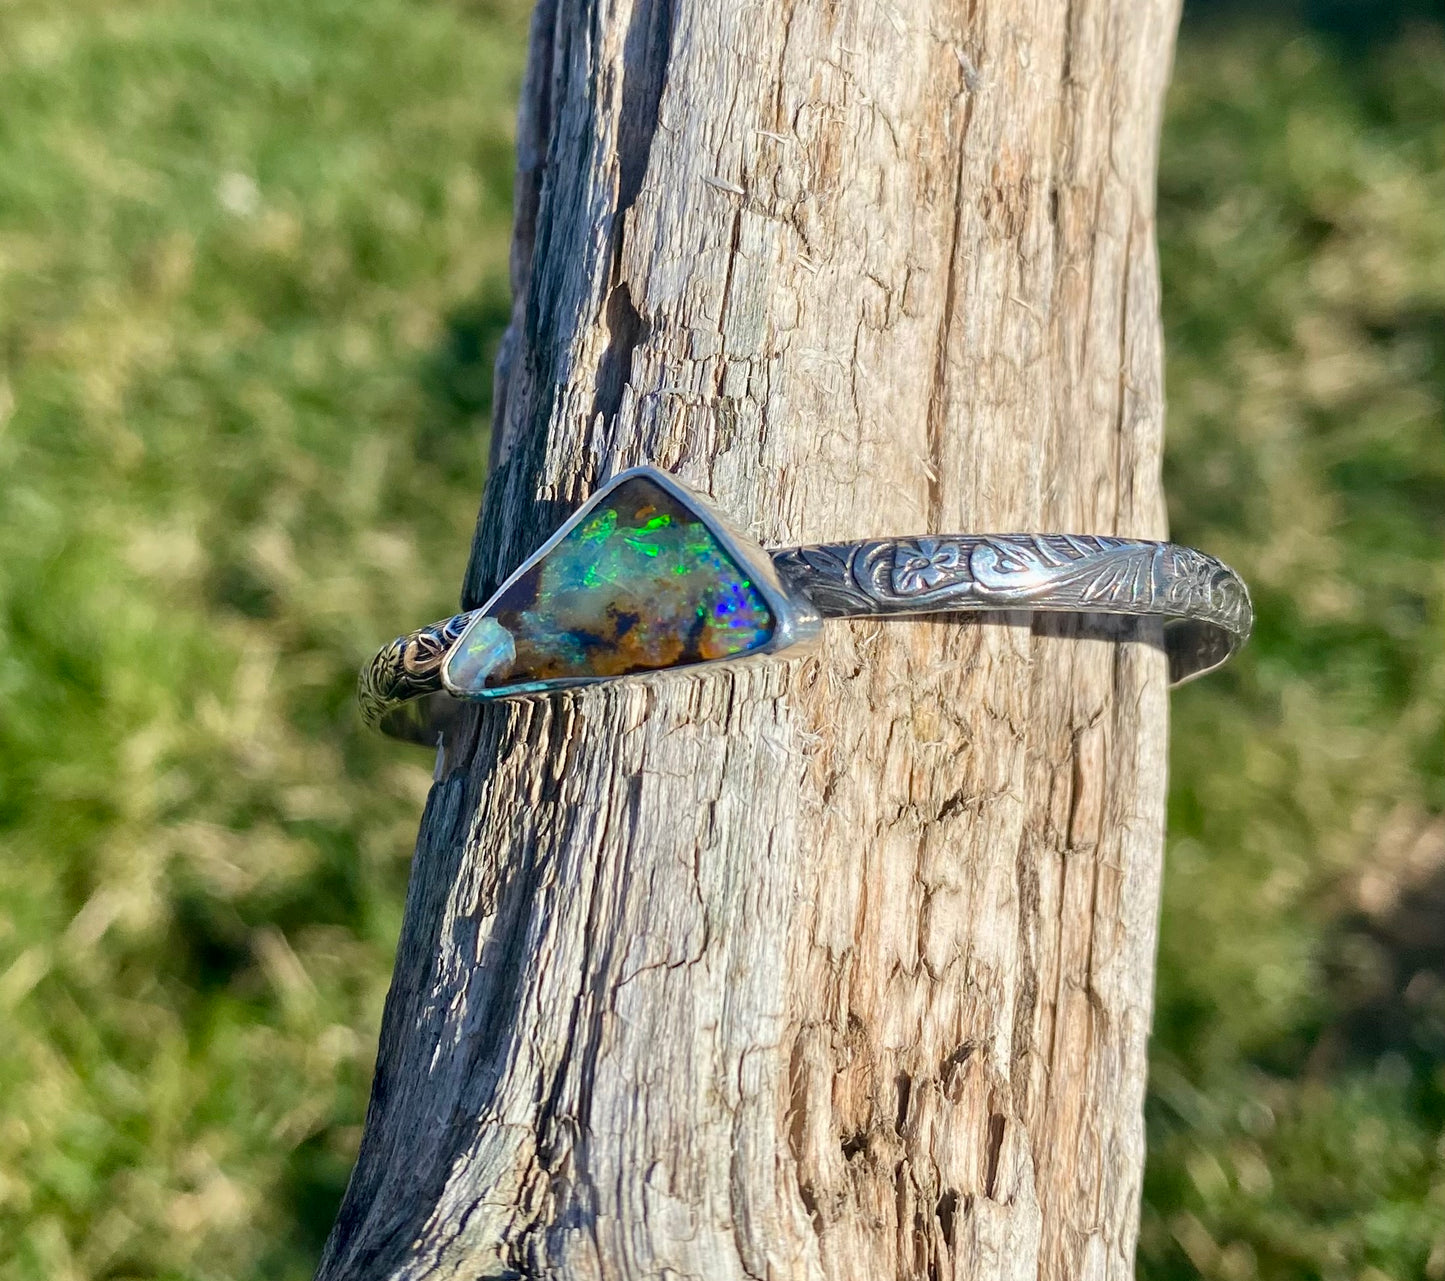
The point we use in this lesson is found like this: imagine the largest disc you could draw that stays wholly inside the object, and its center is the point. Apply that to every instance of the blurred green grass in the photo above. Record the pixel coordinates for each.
(1298, 1076)
(252, 268)
(251, 257)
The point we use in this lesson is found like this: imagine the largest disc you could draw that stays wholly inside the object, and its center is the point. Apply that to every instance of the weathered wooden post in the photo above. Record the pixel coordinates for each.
(836, 967)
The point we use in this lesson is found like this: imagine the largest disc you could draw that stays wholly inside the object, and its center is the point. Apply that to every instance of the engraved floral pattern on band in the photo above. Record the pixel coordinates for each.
(924, 565)
(1069, 572)
(408, 667)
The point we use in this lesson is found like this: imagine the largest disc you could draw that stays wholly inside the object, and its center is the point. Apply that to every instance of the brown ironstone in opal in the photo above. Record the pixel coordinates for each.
(640, 584)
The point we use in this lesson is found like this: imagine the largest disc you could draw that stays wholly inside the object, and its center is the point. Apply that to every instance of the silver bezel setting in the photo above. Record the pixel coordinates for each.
(795, 621)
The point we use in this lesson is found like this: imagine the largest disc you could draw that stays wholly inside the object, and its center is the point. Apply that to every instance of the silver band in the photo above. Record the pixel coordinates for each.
(1205, 605)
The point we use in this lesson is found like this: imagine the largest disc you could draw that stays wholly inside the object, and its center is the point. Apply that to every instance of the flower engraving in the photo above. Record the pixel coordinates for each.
(1190, 585)
(923, 566)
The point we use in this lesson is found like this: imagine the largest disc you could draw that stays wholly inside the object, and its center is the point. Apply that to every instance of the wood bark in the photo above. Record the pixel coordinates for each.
(840, 966)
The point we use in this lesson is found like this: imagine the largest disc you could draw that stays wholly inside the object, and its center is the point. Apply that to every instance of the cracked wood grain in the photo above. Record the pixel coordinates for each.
(836, 967)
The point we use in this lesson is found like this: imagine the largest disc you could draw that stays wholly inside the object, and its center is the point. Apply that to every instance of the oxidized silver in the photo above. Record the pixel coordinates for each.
(1204, 603)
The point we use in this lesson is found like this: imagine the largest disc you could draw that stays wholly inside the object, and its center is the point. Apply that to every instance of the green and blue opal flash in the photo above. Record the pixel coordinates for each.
(640, 580)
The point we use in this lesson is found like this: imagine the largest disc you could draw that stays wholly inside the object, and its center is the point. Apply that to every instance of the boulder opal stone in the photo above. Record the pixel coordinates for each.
(641, 583)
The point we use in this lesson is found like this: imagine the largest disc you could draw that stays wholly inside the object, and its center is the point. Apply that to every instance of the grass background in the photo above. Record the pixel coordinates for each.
(252, 273)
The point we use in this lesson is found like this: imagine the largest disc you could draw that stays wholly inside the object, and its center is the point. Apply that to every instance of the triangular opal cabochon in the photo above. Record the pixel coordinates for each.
(639, 583)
